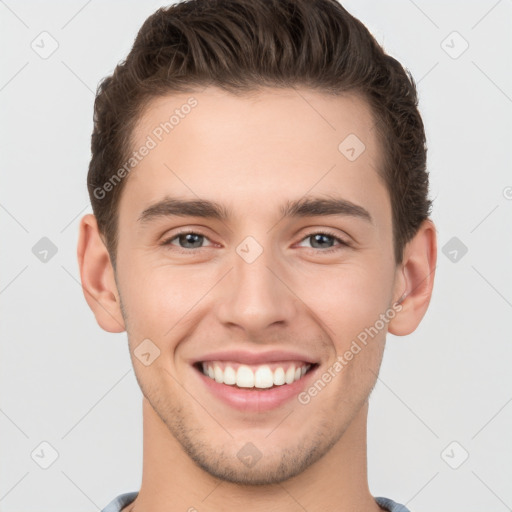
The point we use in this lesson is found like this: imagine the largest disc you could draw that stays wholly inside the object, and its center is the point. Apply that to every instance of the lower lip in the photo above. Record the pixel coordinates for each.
(254, 399)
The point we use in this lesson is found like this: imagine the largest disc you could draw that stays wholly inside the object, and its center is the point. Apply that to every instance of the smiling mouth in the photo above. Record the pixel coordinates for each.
(264, 376)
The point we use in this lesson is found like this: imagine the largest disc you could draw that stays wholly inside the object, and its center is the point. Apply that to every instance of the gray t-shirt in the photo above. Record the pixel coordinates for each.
(117, 504)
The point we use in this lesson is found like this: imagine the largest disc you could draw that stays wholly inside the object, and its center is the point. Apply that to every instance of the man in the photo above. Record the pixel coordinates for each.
(261, 221)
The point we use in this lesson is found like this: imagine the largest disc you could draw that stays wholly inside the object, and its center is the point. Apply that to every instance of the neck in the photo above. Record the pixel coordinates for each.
(171, 481)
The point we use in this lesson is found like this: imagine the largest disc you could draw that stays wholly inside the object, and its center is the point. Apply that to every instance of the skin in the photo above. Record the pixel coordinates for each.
(251, 154)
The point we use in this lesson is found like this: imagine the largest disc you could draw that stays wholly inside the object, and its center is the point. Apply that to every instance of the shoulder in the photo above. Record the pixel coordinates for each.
(119, 503)
(390, 505)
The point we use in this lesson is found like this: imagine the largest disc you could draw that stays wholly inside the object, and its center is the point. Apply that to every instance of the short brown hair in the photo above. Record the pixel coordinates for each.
(245, 45)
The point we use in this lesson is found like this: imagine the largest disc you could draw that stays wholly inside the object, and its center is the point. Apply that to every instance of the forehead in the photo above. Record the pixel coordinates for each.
(254, 149)
(214, 116)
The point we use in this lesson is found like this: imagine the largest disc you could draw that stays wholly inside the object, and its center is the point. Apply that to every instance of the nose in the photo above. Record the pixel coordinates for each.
(256, 295)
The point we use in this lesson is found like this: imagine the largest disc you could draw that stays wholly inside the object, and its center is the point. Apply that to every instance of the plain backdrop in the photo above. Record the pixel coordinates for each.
(441, 414)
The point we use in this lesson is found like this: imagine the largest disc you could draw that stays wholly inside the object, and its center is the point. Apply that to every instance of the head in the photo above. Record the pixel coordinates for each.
(288, 145)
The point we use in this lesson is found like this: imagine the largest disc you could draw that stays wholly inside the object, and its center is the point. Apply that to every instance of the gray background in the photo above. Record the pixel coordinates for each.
(67, 383)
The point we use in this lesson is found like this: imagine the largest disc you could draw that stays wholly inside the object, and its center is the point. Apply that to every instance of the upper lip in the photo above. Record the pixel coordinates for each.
(244, 357)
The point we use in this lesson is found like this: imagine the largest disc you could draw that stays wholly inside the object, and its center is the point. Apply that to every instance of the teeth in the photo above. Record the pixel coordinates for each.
(218, 374)
(229, 376)
(261, 377)
(279, 377)
(244, 377)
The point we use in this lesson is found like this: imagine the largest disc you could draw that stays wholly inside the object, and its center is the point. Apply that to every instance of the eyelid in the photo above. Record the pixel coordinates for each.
(186, 231)
(325, 231)
(319, 231)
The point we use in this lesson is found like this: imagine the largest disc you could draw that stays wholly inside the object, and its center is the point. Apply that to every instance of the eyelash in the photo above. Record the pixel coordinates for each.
(342, 243)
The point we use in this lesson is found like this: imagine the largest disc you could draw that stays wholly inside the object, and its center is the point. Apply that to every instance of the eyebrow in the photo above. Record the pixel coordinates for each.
(304, 207)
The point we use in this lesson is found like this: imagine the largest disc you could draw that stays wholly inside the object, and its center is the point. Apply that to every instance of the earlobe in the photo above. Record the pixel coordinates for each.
(417, 281)
(97, 276)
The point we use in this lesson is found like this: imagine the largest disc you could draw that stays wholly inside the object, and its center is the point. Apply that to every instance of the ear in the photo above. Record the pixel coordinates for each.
(97, 275)
(415, 280)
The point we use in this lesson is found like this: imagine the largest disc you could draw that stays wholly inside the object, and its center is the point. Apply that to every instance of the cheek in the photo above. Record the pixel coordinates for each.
(351, 307)
(349, 298)
(158, 298)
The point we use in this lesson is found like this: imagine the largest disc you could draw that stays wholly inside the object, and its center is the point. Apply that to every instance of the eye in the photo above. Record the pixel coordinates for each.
(324, 240)
(187, 240)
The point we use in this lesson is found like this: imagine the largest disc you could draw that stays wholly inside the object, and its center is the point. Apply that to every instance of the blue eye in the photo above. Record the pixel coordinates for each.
(322, 241)
(189, 239)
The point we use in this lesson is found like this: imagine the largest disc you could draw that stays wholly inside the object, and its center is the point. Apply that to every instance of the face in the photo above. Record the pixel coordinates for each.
(259, 286)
